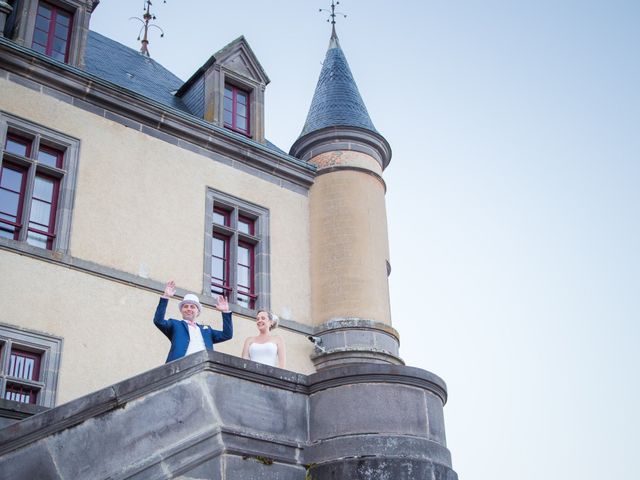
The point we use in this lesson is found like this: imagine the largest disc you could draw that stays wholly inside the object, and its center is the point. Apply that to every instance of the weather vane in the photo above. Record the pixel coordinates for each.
(146, 26)
(332, 14)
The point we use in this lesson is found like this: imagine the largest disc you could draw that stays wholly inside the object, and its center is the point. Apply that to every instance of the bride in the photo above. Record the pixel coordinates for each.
(265, 348)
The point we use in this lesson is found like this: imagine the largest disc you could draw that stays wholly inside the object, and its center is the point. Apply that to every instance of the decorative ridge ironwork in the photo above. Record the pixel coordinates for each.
(332, 17)
(146, 19)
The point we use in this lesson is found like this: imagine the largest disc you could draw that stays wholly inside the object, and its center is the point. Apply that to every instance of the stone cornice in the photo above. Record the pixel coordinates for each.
(87, 91)
(355, 323)
(339, 168)
(343, 138)
(372, 373)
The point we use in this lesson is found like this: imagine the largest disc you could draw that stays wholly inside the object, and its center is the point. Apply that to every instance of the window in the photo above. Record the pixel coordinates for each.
(37, 171)
(52, 32)
(29, 364)
(23, 366)
(236, 109)
(237, 255)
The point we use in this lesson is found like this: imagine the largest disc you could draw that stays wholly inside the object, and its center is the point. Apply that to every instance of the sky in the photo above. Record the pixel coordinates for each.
(512, 200)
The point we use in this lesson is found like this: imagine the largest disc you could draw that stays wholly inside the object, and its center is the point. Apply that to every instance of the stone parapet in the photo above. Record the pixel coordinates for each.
(214, 416)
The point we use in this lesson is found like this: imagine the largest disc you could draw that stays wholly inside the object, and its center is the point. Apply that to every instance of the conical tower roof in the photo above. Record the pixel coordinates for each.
(338, 118)
(336, 101)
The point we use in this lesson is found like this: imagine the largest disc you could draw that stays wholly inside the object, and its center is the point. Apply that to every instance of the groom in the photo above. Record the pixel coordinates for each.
(186, 335)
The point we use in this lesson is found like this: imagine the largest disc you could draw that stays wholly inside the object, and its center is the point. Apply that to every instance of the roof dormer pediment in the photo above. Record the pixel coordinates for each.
(240, 59)
(236, 57)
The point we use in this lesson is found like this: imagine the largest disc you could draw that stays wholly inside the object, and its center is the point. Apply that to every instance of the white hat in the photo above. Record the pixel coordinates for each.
(193, 299)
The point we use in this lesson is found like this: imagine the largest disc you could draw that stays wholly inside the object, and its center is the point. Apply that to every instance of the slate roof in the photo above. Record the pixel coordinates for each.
(336, 101)
(129, 69)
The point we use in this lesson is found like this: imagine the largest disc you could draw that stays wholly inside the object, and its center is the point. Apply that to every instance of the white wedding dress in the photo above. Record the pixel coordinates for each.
(266, 353)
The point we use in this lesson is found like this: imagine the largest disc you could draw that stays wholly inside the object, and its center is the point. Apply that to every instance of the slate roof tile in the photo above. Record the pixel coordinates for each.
(129, 69)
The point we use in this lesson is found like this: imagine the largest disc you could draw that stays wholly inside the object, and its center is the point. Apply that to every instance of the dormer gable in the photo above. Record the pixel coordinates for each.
(240, 59)
(228, 90)
(56, 28)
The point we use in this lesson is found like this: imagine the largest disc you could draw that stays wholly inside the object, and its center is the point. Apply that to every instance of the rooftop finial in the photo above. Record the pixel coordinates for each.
(146, 25)
(332, 15)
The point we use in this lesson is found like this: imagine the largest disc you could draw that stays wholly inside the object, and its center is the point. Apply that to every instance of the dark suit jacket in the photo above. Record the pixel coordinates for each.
(178, 332)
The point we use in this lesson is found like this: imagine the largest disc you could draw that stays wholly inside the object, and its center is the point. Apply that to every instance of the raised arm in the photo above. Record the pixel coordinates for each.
(158, 319)
(218, 336)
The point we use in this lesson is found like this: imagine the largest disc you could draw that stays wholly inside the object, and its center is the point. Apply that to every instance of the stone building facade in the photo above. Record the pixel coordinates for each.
(117, 176)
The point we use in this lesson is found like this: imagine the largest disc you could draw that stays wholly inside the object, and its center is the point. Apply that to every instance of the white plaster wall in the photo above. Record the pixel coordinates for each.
(139, 204)
(106, 326)
(139, 208)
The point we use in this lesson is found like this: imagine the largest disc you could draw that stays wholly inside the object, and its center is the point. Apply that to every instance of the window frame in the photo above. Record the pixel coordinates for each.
(47, 348)
(248, 291)
(51, 36)
(63, 175)
(224, 287)
(258, 241)
(235, 89)
(17, 223)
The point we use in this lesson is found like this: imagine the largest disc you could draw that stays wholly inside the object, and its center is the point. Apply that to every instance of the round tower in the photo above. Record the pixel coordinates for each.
(349, 242)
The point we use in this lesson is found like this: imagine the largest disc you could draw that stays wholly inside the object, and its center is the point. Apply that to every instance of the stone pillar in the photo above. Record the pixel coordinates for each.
(349, 247)
(5, 11)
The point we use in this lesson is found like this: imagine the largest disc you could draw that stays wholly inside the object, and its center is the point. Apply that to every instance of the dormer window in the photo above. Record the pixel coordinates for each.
(236, 109)
(56, 28)
(52, 31)
(228, 91)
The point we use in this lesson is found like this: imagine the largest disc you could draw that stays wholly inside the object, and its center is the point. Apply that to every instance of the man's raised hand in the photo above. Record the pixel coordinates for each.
(222, 304)
(169, 289)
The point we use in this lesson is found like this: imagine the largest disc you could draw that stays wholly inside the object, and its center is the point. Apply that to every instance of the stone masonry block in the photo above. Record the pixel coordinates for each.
(436, 419)
(260, 468)
(379, 408)
(35, 462)
(209, 470)
(378, 444)
(258, 407)
(382, 469)
(156, 423)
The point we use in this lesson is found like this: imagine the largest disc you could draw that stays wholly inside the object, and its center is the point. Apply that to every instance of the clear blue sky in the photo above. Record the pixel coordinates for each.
(513, 201)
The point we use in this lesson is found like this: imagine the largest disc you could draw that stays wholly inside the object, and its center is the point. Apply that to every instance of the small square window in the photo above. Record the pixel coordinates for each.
(17, 145)
(21, 393)
(221, 217)
(246, 225)
(24, 365)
